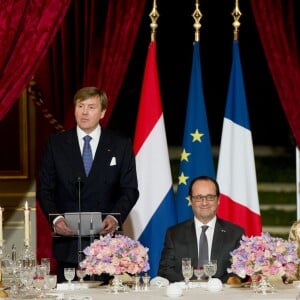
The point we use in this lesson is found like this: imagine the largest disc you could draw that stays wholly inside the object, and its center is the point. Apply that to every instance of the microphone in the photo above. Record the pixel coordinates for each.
(79, 185)
(79, 182)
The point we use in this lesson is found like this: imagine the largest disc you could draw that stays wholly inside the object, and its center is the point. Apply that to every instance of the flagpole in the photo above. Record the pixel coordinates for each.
(154, 15)
(197, 17)
(236, 13)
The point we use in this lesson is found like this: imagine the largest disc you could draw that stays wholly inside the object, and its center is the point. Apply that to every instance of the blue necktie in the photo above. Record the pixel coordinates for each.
(87, 155)
(203, 246)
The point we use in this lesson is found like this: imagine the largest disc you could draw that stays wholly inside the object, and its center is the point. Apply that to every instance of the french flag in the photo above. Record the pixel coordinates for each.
(154, 211)
(236, 172)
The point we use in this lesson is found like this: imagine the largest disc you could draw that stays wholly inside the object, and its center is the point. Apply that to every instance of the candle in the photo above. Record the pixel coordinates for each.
(1, 226)
(27, 223)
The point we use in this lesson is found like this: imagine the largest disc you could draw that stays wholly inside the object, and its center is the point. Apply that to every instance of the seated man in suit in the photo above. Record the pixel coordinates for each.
(183, 240)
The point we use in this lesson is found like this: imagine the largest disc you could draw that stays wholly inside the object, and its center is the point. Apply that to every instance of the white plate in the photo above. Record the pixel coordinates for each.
(233, 285)
(86, 284)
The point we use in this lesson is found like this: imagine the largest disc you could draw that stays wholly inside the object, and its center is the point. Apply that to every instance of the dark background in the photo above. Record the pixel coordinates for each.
(175, 36)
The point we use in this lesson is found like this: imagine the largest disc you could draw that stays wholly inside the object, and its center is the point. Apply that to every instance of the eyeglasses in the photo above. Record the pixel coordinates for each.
(208, 198)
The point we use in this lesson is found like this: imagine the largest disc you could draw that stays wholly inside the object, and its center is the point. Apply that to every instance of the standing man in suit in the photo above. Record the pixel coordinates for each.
(183, 240)
(110, 186)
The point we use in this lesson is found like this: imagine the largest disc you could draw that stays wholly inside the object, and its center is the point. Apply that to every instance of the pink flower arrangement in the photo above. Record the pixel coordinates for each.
(266, 255)
(115, 255)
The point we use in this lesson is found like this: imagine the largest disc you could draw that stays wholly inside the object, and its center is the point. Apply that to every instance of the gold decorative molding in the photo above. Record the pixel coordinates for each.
(18, 208)
(19, 194)
(16, 164)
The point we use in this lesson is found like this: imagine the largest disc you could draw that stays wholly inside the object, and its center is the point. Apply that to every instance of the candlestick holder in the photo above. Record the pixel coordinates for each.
(2, 250)
(2, 255)
(28, 257)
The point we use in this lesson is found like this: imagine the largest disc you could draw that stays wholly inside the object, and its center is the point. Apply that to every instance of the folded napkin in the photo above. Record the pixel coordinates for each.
(173, 290)
(65, 286)
(59, 296)
(81, 297)
(159, 281)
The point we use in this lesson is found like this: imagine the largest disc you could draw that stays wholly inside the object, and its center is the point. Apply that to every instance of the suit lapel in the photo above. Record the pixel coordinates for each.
(103, 154)
(71, 147)
(218, 240)
(191, 242)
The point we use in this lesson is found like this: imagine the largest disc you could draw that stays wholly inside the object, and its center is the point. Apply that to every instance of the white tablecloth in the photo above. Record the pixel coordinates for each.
(194, 293)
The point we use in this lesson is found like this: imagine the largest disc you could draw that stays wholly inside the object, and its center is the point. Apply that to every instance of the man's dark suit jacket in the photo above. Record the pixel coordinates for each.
(181, 241)
(111, 186)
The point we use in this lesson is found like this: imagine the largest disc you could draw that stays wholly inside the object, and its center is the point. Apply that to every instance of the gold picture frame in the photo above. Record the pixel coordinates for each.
(14, 136)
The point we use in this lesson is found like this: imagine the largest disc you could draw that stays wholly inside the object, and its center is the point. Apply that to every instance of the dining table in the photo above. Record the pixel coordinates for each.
(160, 293)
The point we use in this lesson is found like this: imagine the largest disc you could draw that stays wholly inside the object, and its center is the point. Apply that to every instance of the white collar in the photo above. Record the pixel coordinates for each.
(210, 224)
(95, 134)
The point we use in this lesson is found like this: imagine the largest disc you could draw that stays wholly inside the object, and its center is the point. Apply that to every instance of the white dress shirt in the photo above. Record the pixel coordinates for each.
(209, 232)
(95, 135)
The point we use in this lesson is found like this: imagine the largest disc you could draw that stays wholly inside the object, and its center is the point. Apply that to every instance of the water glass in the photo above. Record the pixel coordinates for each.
(80, 273)
(39, 278)
(69, 274)
(187, 269)
(199, 272)
(45, 261)
(26, 277)
(210, 268)
(51, 281)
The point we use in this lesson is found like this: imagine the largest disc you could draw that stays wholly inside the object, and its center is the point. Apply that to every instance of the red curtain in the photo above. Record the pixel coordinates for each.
(26, 30)
(92, 47)
(276, 27)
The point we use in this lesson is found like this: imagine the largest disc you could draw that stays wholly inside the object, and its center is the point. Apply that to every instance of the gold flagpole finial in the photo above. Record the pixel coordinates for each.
(154, 15)
(236, 13)
(197, 17)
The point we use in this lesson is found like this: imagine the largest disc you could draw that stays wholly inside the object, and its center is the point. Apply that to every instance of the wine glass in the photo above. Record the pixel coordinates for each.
(51, 281)
(80, 273)
(198, 272)
(210, 268)
(187, 269)
(45, 261)
(39, 279)
(69, 274)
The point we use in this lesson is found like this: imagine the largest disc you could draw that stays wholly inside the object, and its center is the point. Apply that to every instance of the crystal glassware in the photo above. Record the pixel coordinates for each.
(69, 274)
(26, 277)
(51, 281)
(80, 273)
(45, 261)
(210, 268)
(39, 279)
(187, 269)
(199, 272)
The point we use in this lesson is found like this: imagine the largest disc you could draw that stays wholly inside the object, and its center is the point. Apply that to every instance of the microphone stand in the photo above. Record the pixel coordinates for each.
(80, 253)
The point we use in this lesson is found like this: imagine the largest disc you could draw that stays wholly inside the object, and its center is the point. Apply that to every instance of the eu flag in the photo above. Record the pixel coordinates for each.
(196, 155)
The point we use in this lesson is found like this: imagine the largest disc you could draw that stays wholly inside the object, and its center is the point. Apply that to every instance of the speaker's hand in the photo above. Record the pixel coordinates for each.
(62, 228)
(110, 225)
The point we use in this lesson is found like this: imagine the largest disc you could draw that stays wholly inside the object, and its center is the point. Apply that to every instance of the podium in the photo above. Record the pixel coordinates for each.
(84, 224)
